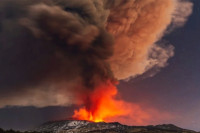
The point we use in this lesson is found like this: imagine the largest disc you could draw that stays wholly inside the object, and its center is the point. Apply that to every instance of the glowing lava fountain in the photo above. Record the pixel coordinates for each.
(101, 104)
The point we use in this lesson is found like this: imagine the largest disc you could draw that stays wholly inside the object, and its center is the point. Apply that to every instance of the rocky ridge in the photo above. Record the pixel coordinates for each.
(78, 126)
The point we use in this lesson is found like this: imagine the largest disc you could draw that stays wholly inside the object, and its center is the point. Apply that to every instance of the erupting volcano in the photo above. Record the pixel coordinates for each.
(74, 52)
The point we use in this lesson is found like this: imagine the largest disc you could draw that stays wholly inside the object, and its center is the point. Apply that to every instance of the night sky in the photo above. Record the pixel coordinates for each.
(175, 90)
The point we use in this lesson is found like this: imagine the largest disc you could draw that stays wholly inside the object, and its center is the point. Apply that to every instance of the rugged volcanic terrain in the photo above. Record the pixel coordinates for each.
(77, 126)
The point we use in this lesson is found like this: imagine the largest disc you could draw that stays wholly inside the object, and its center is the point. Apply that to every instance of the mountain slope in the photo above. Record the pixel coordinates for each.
(77, 126)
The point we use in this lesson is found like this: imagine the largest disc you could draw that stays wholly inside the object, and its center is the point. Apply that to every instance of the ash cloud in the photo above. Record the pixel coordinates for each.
(51, 49)
(137, 27)
(45, 44)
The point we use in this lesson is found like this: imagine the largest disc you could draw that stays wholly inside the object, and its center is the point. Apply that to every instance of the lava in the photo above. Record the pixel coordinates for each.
(101, 104)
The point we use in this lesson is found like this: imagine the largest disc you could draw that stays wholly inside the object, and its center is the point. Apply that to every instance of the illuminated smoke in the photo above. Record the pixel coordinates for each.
(137, 25)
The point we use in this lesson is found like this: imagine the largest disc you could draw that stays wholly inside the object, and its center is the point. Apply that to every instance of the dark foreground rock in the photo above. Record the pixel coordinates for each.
(76, 126)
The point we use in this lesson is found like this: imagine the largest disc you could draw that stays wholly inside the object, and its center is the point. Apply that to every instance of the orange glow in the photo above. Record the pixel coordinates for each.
(101, 104)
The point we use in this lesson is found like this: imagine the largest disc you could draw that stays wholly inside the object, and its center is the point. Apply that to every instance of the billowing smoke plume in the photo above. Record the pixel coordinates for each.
(50, 50)
(137, 25)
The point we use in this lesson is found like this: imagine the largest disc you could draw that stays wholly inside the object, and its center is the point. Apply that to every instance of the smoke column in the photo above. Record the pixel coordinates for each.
(58, 52)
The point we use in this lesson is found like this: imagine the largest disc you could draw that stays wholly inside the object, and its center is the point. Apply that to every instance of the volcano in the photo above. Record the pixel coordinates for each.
(81, 126)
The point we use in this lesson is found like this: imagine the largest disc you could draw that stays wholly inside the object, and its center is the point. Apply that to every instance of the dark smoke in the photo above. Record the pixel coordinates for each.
(53, 41)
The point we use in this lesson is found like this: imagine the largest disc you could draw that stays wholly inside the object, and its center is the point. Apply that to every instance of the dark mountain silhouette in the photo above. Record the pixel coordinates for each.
(77, 126)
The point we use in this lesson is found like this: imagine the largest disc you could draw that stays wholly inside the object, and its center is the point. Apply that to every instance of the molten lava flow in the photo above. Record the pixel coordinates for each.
(101, 104)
